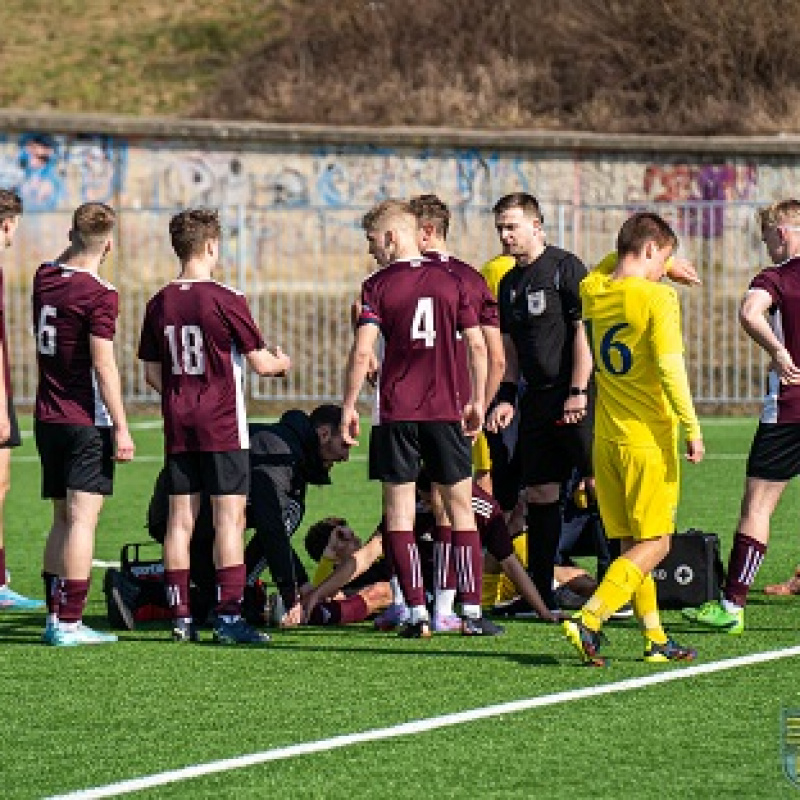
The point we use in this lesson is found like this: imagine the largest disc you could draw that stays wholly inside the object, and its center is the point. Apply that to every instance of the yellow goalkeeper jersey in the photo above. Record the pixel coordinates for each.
(632, 323)
(494, 269)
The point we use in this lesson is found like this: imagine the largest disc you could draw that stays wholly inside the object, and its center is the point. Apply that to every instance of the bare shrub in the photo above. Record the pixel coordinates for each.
(672, 66)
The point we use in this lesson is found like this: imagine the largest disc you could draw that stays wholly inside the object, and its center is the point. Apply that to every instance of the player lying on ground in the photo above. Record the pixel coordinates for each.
(494, 537)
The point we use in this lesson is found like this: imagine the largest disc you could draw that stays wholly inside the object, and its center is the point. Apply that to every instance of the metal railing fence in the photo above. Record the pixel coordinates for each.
(301, 269)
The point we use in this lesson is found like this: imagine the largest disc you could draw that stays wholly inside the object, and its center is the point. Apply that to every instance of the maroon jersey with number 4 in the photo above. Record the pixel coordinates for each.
(420, 307)
(70, 306)
(480, 298)
(200, 331)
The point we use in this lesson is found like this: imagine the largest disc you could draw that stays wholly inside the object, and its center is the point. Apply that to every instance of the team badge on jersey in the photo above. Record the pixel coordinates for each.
(790, 744)
(536, 302)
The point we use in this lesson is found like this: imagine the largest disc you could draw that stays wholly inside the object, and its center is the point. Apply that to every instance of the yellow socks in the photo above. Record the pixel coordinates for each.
(620, 582)
(491, 581)
(645, 606)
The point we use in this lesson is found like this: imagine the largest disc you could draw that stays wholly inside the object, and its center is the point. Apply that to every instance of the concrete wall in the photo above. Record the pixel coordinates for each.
(294, 196)
(60, 161)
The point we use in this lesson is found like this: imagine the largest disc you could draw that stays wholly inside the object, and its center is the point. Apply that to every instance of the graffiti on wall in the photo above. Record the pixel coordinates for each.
(56, 172)
(703, 193)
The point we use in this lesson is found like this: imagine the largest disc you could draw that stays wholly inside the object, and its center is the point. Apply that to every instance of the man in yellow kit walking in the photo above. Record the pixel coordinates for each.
(633, 326)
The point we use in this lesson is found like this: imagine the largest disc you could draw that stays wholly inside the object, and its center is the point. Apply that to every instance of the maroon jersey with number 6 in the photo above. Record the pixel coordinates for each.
(200, 331)
(420, 307)
(70, 306)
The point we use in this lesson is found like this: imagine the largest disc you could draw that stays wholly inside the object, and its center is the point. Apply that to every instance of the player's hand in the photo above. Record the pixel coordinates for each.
(350, 427)
(574, 409)
(681, 270)
(283, 361)
(5, 427)
(472, 420)
(373, 370)
(785, 367)
(296, 615)
(695, 450)
(500, 417)
(124, 447)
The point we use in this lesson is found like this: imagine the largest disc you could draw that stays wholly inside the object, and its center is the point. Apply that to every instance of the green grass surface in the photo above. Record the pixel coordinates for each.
(133, 57)
(77, 718)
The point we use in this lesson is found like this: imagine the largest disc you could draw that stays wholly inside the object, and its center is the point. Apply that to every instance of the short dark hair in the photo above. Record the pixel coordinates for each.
(527, 202)
(326, 414)
(91, 225)
(10, 204)
(430, 208)
(641, 228)
(190, 230)
(319, 535)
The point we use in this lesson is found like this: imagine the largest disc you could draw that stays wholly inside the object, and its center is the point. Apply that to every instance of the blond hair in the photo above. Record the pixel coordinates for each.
(392, 213)
(92, 223)
(777, 213)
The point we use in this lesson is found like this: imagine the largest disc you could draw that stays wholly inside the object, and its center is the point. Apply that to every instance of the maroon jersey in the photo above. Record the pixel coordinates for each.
(199, 331)
(480, 298)
(782, 282)
(70, 305)
(419, 307)
(3, 334)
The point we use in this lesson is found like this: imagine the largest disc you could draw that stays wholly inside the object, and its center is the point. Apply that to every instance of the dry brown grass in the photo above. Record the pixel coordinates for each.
(667, 66)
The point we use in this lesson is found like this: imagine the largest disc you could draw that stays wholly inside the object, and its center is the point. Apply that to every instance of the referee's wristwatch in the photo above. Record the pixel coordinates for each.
(575, 391)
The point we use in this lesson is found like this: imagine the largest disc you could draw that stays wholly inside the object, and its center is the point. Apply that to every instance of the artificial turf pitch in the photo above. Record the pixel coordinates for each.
(76, 718)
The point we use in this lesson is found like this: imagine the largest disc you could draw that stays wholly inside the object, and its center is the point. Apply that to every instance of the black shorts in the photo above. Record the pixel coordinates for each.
(14, 438)
(506, 470)
(77, 457)
(549, 451)
(775, 452)
(398, 449)
(214, 473)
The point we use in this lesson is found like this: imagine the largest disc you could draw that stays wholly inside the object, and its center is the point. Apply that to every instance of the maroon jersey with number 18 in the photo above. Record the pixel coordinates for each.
(200, 331)
(70, 306)
(420, 307)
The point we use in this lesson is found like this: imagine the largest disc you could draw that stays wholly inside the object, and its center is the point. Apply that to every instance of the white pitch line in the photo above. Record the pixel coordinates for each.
(419, 726)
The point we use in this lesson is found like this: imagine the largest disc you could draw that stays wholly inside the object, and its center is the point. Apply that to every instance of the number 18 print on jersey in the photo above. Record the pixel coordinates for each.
(199, 332)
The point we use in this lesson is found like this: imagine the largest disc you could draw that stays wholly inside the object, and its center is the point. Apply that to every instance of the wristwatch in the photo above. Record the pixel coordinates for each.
(576, 390)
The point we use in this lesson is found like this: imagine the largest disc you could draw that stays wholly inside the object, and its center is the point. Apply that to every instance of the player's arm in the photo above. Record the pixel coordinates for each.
(575, 405)
(152, 375)
(666, 332)
(357, 564)
(5, 421)
(108, 383)
(358, 365)
(752, 311)
(268, 362)
(496, 365)
(679, 270)
(477, 351)
(503, 412)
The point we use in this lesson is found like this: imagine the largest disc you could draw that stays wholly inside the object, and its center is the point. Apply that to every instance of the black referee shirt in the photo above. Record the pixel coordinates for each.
(538, 306)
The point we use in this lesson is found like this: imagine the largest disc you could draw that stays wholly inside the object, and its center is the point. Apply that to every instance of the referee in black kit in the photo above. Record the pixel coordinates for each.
(546, 345)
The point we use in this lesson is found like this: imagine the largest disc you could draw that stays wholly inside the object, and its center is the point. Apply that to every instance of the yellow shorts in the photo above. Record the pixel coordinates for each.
(637, 488)
(481, 461)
